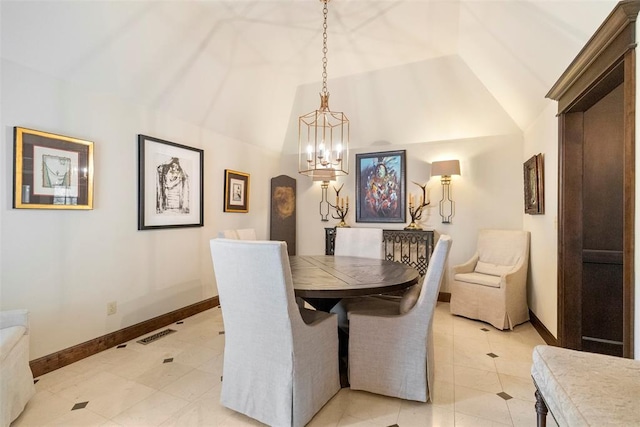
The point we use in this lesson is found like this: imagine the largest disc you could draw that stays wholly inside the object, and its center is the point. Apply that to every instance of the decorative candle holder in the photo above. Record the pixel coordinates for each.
(341, 208)
(415, 211)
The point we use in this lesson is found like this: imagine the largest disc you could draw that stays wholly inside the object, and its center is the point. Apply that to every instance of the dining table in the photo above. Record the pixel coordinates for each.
(323, 280)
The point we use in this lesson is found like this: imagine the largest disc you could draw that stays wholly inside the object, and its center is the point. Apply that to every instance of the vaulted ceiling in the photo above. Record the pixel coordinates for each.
(235, 66)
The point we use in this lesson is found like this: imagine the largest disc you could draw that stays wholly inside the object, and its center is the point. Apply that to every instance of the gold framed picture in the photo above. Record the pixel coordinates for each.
(51, 171)
(236, 191)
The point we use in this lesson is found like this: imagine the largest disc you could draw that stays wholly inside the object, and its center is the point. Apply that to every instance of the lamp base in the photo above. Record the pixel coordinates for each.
(343, 224)
(413, 226)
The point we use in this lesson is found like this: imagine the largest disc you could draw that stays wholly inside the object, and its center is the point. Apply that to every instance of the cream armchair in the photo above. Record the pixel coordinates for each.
(492, 285)
(16, 379)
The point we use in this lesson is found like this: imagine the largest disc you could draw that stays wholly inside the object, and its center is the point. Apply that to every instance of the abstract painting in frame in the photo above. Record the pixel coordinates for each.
(380, 186)
(170, 184)
(51, 171)
(236, 191)
(534, 185)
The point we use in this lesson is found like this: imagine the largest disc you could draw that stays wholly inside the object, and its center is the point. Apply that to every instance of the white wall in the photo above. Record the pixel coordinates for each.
(542, 137)
(64, 266)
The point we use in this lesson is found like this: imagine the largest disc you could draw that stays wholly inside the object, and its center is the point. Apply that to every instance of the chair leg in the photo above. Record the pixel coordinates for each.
(541, 410)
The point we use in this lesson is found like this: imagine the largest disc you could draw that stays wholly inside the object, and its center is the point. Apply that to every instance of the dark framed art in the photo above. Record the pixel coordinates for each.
(236, 191)
(51, 171)
(534, 185)
(170, 184)
(380, 186)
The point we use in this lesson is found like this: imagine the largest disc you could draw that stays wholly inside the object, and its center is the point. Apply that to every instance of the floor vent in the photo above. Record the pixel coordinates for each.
(156, 336)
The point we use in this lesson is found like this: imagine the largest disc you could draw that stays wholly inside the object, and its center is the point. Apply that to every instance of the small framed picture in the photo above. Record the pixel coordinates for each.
(170, 184)
(380, 186)
(236, 191)
(51, 171)
(534, 185)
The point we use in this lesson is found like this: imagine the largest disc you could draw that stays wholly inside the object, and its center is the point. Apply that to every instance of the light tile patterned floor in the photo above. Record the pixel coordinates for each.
(482, 379)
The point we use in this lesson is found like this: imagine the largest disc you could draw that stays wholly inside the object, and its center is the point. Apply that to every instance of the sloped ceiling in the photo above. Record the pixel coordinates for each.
(236, 66)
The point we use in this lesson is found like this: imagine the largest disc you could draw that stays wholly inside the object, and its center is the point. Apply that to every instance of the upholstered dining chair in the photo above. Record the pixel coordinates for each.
(391, 343)
(492, 285)
(280, 361)
(239, 234)
(246, 233)
(360, 242)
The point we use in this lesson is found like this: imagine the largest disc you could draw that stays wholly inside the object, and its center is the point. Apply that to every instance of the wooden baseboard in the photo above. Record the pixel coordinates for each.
(69, 355)
(444, 297)
(542, 330)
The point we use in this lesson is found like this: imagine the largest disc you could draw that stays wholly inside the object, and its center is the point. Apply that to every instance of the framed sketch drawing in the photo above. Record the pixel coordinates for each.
(170, 184)
(534, 185)
(236, 191)
(51, 171)
(380, 186)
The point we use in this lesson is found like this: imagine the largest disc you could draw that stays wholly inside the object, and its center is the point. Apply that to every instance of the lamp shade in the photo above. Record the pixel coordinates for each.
(445, 168)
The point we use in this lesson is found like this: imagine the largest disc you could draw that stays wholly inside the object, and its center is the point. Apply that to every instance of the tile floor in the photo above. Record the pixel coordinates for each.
(482, 379)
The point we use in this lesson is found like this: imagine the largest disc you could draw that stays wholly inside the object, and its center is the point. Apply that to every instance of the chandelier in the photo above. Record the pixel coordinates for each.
(323, 135)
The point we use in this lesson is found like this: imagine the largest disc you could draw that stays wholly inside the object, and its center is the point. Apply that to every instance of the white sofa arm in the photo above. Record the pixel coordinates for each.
(11, 318)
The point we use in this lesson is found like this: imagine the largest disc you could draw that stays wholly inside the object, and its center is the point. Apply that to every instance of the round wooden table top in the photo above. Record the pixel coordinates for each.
(327, 276)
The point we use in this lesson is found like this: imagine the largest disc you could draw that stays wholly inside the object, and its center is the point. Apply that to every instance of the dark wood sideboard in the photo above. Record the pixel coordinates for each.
(411, 247)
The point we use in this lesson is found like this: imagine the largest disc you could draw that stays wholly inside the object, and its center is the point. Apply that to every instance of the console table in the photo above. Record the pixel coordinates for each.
(410, 247)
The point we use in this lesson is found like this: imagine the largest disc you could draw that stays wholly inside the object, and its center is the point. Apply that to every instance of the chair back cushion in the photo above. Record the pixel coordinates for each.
(492, 269)
(246, 233)
(502, 247)
(228, 234)
(359, 242)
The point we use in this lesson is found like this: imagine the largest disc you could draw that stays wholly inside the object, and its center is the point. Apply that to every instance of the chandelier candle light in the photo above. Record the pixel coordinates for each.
(323, 135)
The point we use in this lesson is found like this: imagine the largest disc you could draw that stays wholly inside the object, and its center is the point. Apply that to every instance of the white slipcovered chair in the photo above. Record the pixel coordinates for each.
(360, 242)
(492, 285)
(391, 343)
(280, 361)
(16, 379)
(357, 242)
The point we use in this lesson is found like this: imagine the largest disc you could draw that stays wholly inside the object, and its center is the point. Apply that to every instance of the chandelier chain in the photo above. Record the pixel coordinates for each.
(325, 12)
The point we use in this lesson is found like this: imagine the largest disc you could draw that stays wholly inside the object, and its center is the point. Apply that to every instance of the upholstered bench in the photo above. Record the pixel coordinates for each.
(585, 389)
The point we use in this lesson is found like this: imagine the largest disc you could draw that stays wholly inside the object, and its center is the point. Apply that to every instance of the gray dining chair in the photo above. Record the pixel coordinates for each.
(280, 361)
(391, 343)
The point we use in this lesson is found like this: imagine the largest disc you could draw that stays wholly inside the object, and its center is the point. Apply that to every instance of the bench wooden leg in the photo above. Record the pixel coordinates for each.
(541, 410)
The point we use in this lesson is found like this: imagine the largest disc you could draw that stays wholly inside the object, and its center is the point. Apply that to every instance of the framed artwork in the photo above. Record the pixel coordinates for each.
(170, 184)
(380, 187)
(51, 171)
(534, 185)
(236, 191)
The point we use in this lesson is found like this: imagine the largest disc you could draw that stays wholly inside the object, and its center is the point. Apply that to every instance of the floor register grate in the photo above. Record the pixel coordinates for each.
(155, 337)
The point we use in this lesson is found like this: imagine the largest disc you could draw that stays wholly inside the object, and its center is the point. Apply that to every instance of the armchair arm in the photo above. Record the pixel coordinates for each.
(11, 318)
(467, 267)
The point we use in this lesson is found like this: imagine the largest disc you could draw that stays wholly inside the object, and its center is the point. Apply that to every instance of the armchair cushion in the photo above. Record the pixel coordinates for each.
(479, 279)
(492, 269)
